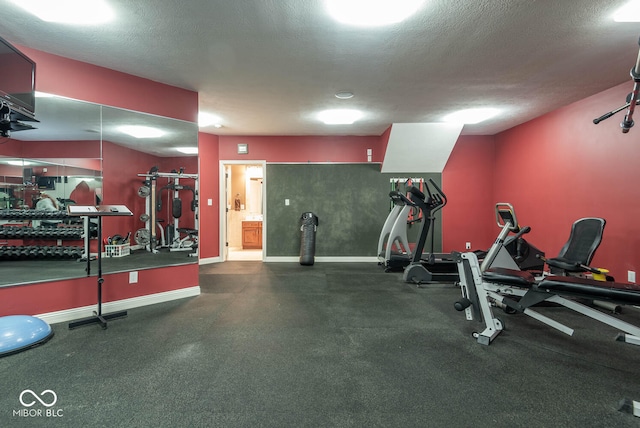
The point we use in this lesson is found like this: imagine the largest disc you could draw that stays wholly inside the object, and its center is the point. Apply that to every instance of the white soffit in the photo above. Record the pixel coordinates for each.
(420, 147)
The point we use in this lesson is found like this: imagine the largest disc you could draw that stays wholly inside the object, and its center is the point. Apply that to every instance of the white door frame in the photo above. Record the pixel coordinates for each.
(223, 203)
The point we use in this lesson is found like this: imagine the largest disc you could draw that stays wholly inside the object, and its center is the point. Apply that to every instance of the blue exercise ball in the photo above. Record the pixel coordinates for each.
(21, 332)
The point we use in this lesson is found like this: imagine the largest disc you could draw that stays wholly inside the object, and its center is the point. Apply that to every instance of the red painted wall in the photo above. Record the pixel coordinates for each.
(60, 295)
(467, 181)
(561, 167)
(87, 82)
(384, 142)
(10, 147)
(209, 243)
(89, 150)
(302, 148)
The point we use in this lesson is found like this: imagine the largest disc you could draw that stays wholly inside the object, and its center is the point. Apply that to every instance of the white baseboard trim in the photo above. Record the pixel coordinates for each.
(325, 259)
(290, 259)
(283, 259)
(119, 305)
(210, 260)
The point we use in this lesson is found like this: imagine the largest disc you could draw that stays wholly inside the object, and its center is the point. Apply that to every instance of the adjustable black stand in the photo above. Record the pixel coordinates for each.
(633, 99)
(98, 212)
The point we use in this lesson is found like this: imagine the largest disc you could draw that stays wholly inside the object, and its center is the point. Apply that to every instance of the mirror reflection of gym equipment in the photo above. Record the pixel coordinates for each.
(244, 219)
(164, 210)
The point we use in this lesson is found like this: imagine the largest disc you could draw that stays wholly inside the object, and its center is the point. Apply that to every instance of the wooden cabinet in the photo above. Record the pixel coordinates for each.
(251, 235)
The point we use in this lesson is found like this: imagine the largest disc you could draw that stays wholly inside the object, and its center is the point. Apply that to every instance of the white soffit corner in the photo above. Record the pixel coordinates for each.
(420, 147)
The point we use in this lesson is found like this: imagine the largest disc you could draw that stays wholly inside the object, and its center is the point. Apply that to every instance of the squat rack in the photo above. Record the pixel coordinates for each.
(151, 179)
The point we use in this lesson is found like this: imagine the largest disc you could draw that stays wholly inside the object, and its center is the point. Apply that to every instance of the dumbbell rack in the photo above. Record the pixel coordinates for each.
(28, 233)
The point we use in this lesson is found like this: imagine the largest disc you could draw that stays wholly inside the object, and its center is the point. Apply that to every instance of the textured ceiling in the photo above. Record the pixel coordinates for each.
(266, 67)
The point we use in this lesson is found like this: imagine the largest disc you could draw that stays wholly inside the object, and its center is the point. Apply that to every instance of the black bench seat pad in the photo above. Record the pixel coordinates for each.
(628, 294)
(518, 278)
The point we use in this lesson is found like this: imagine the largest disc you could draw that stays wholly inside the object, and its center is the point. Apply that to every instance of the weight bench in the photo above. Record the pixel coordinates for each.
(185, 243)
(519, 291)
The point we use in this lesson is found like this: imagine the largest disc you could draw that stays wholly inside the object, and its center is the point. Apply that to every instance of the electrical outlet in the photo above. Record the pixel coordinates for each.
(631, 276)
(467, 246)
(133, 277)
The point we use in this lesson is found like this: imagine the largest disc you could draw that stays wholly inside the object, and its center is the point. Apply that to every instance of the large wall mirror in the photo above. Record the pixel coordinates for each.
(79, 153)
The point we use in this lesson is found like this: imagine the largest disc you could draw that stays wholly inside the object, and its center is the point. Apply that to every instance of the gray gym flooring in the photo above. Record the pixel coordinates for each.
(329, 345)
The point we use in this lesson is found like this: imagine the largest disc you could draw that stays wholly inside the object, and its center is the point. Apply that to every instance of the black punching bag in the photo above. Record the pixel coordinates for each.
(308, 227)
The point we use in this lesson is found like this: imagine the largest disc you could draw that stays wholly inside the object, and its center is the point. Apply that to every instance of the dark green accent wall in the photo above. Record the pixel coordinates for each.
(350, 200)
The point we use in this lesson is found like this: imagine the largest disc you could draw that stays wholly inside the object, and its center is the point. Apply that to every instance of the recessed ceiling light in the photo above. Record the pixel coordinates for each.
(81, 12)
(368, 13)
(339, 116)
(630, 12)
(208, 119)
(188, 150)
(18, 163)
(344, 95)
(472, 115)
(217, 125)
(139, 131)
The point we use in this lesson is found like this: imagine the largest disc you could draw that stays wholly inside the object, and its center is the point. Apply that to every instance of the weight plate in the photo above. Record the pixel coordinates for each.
(142, 237)
(144, 191)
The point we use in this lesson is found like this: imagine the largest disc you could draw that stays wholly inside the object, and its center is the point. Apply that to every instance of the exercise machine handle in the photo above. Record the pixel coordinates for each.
(506, 207)
(582, 266)
(417, 192)
(402, 198)
(521, 232)
(608, 115)
(440, 194)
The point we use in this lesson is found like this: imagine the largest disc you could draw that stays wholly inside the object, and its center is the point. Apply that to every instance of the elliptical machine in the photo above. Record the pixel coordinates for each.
(435, 267)
(516, 253)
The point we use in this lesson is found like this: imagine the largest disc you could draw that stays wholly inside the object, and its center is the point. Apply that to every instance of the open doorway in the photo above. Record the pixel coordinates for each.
(243, 199)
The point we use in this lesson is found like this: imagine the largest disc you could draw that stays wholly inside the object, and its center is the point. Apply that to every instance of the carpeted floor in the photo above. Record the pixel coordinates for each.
(329, 345)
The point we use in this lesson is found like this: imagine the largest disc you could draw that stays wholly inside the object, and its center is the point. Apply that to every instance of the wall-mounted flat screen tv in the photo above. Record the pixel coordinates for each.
(17, 81)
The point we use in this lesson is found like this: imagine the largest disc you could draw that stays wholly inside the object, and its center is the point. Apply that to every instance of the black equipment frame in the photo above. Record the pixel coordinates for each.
(632, 100)
(98, 212)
